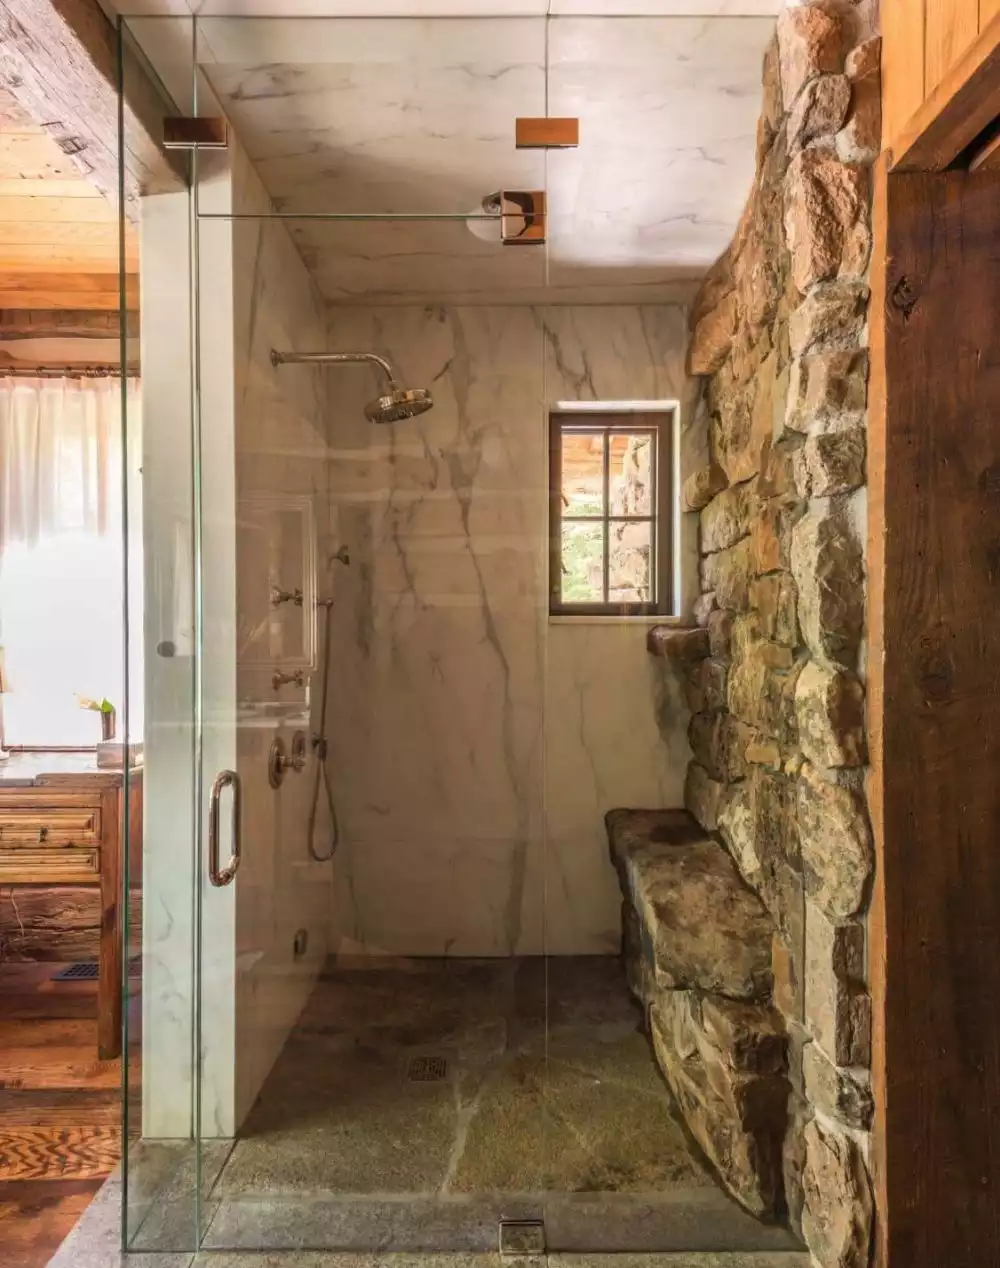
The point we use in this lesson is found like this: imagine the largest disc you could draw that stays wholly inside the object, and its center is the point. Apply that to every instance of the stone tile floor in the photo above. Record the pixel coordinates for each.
(573, 1106)
(549, 1106)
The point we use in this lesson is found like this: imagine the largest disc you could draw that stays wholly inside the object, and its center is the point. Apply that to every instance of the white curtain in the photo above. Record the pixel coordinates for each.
(67, 469)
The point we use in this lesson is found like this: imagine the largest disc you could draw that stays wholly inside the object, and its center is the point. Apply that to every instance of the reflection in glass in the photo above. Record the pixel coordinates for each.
(582, 473)
(629, 556)
(630, 474)
(583, 562)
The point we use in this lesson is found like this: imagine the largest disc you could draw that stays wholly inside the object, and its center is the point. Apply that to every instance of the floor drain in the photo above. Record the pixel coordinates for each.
(426, 1070)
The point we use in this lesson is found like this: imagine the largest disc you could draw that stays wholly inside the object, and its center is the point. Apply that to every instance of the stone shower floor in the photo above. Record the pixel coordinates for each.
(575, 1106)
(418, 1101)
(549, 1106)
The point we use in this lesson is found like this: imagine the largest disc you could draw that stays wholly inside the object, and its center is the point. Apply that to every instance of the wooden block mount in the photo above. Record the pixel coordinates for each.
(546, 134)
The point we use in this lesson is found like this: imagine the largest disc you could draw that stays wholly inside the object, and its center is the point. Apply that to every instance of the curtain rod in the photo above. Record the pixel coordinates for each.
(66, 372)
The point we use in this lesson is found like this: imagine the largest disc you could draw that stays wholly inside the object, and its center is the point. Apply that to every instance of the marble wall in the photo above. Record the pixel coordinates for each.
(475, 744)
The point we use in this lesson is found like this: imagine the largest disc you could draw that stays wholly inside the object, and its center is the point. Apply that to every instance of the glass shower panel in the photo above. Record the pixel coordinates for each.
(638, 212)
(623, 1175)
(160, 704)
(373, 979)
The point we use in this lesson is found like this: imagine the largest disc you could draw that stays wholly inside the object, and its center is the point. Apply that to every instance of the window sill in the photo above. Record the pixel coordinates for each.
(675, 622)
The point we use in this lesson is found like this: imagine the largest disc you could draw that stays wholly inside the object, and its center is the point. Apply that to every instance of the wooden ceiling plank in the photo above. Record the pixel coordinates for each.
(31, 231)
(58, 210)
(77, 189)
(39, 258)
(58, 59)
(70, 290)
(34, 156)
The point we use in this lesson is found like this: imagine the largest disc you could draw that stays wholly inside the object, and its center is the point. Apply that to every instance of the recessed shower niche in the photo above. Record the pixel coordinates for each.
(277, 589)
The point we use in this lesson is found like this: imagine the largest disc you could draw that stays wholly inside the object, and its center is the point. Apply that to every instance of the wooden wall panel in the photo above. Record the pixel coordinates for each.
(988, 9)
(902, 64)
(950, 27)
(937, 496)
(929, 50)
(956, 110)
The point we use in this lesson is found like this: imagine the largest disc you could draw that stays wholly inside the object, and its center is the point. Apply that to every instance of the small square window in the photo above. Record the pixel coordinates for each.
(609, 523)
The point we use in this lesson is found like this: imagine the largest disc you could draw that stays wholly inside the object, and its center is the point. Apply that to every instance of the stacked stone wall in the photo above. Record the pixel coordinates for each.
(777, 733)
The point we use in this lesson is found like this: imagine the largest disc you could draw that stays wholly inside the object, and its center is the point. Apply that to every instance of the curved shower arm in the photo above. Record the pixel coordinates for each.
(332, 358)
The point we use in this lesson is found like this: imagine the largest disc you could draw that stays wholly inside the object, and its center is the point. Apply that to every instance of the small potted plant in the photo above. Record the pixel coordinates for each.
(109, 718)
(110, 752)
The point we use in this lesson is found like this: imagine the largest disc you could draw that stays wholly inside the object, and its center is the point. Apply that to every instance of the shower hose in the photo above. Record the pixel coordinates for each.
(321, 749)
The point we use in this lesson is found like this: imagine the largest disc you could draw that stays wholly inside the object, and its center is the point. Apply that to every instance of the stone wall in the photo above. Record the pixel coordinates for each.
(779, 334)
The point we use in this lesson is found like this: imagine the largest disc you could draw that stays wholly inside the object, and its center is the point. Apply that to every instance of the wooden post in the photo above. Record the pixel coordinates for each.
(934, 706)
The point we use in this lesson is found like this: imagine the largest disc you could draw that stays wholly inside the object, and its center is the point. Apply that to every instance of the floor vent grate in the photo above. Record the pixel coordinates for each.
(77, 973)
(89, 971)
(426, 1070)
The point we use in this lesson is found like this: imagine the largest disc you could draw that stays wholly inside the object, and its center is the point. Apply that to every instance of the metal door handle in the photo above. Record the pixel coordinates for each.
(220, 876)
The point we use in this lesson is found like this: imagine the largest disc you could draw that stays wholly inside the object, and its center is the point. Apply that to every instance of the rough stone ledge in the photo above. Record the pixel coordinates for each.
(725, 1060)
(679, 644)
(738, 1116)
(700, 925)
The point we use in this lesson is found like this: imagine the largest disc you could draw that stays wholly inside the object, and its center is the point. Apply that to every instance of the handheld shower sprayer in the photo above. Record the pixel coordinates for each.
(319, 740)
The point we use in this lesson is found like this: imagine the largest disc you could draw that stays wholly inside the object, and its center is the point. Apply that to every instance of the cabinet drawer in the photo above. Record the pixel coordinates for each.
(55, 826)
(32, 866)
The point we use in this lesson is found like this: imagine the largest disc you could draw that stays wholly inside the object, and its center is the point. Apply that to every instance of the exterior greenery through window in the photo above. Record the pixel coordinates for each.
(609, 521)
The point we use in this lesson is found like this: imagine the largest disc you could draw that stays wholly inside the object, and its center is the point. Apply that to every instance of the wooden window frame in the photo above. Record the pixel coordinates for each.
(660, 425)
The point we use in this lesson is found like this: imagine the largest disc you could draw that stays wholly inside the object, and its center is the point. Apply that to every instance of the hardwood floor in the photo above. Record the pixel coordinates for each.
(60, 1110)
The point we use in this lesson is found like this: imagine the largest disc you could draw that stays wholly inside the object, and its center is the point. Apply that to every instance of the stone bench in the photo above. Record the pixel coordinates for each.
(697, 944)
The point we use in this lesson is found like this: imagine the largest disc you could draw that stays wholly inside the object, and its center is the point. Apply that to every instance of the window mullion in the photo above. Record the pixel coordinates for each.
(653, 588)
(606, 494)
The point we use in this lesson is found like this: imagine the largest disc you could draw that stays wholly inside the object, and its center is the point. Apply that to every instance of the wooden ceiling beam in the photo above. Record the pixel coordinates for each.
(59, 61)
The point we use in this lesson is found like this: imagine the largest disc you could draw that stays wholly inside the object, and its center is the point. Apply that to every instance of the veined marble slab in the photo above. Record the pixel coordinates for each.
(474, 745)
(368, 117)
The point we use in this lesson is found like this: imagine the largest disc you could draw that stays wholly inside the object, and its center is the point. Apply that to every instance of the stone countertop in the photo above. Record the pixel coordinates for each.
(35, 770)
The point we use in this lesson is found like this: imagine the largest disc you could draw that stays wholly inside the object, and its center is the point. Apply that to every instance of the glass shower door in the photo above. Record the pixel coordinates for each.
(372, 998)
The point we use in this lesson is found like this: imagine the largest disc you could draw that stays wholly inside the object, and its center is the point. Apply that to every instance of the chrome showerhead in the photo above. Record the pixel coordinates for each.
(398, 405)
